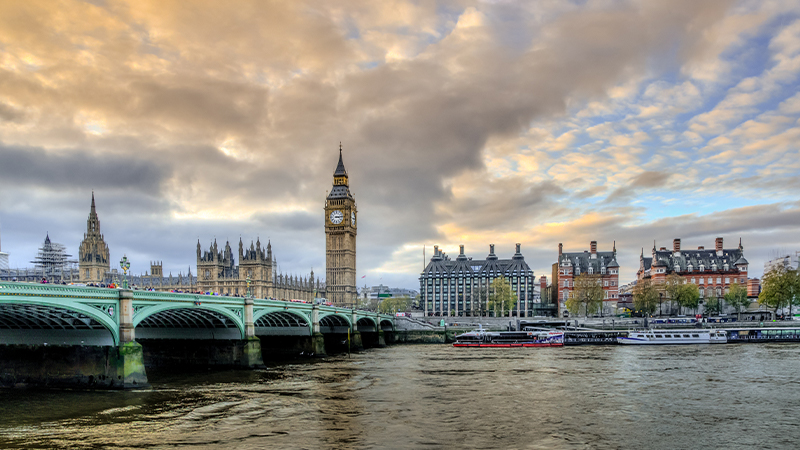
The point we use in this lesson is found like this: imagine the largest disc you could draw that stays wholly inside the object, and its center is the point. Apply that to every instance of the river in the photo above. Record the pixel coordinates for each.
(437, 396)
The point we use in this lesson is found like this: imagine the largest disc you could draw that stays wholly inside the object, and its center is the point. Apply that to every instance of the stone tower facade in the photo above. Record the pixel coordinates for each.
(93, 255)
(340, 240)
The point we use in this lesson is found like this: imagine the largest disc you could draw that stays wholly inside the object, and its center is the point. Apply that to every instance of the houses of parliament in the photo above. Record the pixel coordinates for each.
(256, 273)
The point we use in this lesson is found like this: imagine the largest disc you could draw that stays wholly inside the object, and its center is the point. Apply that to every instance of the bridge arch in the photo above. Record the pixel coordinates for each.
(334, 323)
(366, 325)
(67, 322)
(188, 322)
(387, 325)
(281, 323)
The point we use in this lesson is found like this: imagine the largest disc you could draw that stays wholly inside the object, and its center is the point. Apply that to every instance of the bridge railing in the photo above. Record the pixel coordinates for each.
(56, 290)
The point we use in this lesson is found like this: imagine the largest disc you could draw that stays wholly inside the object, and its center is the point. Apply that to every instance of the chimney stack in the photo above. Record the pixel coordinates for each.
(718, 246)
(560, 248)
(435, 250)
(676, 245)
(491, 249)
(593, 246)
(518, 248)
(461, 249)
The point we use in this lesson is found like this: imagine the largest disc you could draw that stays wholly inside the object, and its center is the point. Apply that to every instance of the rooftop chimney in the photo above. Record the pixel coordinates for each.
(435, 250)
(518, 248)
(701, 248)
(461, 249)
(593, 246)
(663, 249)
(676, 245)
(718, 244)
(560, 248)
(491, 249)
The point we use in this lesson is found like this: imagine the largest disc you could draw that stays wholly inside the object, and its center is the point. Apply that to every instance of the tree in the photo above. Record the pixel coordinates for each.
(737, 297)
(689, 296)
(645, 297)
(502, 296)
(779, 288)
(714, 305)
(393, 305)
(481, 297)
(673, 286)
(588, 292)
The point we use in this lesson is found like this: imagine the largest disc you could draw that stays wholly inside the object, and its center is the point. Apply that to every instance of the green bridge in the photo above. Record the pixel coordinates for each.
(68, 335)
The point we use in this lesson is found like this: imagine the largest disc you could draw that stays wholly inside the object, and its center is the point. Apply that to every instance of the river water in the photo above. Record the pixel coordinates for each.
(437, 396)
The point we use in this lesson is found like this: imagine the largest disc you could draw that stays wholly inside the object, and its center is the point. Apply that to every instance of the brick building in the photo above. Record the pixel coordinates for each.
(572, 264)
(713, 271)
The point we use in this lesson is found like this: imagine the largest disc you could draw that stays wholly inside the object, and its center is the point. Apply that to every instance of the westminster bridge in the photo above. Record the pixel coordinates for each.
(59, 335)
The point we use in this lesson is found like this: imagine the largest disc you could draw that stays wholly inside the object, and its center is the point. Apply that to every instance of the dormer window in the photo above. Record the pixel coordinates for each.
(689, 267)
(725, 267)
(591, 270)
(602, 270)
(702, 267)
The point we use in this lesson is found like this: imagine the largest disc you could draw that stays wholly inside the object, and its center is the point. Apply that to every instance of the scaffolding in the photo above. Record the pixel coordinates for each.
(53, 262)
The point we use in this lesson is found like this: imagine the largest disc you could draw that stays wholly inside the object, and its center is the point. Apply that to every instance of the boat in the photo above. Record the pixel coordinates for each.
(673, 337)
(481, 338)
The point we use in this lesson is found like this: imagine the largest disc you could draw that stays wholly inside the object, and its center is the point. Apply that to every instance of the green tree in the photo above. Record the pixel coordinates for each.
(392, 305)
(645, 297)
(502, 297)
(714, 305)
(737, 298)
(673, 286)
(779, 288)
(588, 293)
(689, 296)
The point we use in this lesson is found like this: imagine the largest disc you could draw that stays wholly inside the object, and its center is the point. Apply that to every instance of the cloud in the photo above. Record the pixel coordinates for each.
(462, 121)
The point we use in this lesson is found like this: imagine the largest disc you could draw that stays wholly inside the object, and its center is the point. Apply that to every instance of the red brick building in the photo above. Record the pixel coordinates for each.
(592, 262)
(713, 271)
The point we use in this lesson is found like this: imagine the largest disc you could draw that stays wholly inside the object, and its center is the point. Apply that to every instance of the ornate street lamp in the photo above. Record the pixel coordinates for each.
(124, 264)
(249, 294)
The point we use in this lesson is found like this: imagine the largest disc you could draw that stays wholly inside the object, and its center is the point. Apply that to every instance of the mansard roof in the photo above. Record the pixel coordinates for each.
(582, 261)
(442, 265)
(680, 261)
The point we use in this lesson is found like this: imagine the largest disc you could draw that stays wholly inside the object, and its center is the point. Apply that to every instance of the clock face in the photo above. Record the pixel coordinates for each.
(336, 217)
(353, 218)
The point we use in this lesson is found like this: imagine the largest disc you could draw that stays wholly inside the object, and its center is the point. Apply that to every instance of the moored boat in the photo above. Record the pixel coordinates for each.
(674, 337)
(481, 338)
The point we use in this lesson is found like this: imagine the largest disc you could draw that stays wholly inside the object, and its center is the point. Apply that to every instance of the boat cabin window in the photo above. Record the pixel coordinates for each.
(658, 336)
(695, 335)
(685, 335)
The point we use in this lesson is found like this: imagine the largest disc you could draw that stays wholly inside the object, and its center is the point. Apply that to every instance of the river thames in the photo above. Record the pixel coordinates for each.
(437, 396)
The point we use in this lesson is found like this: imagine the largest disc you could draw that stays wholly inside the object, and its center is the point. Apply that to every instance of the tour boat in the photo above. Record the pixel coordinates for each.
(481, 338)
(655, 337)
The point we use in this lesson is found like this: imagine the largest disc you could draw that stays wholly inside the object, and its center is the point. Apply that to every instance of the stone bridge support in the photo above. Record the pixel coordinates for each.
(356, 344)
(130, 359)
(317, 347)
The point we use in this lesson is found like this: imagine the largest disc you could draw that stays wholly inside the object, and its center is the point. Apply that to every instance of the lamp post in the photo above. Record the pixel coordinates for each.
(249, 294)
(124, 264)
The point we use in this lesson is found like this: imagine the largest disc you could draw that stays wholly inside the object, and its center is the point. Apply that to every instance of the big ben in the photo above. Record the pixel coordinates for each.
(340, 240)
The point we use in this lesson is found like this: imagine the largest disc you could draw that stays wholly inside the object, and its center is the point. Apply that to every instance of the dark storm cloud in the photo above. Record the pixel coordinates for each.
(31, 166)
(642, 182)
(278, 85)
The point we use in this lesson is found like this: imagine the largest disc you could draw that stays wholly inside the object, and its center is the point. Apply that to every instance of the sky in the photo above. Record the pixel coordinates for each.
(461, 122)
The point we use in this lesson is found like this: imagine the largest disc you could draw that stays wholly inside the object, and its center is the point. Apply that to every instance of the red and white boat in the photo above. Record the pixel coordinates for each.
(481, 338)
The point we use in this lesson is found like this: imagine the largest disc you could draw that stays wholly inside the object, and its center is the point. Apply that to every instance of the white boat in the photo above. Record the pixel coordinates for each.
(672, 337)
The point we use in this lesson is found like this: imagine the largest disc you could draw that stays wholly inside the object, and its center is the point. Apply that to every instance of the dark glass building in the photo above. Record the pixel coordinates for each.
(461, 287)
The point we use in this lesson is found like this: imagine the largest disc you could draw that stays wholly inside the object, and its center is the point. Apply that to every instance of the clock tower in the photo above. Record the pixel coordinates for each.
(340, 240)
